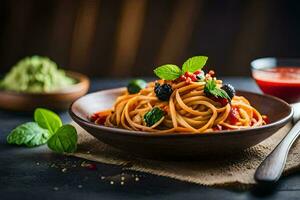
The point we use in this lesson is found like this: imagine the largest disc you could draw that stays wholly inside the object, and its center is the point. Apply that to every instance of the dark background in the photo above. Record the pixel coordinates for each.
(112, 38)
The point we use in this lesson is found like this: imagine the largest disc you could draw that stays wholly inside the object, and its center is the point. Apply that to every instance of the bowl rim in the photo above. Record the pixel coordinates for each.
(269, 61)
(82, 81)
(281, 122)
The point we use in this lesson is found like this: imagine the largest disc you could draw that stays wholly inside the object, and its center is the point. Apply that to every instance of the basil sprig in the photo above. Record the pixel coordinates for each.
(212, 89)
(172, 72)
(47, 128)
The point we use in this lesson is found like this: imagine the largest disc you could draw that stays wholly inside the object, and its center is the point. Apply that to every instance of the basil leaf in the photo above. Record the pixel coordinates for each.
(210, 85)
(64, 140)
(153, 116)
(194, 63)
(212, 89)
(168, 72)
(29, 134)
(47, 119)
(220, 93)
(136, 85)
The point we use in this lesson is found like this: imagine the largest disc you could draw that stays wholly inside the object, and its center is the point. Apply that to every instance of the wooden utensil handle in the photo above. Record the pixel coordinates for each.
(271, 168)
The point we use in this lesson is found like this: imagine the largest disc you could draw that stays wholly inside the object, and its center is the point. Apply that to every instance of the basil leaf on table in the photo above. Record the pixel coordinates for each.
(29, 134)
(47, 119)
(64, 140)
(194, 63)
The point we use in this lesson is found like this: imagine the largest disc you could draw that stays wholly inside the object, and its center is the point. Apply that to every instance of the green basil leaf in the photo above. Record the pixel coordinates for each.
(47, 119)
(134, 86)
(194, 63)
(212, 89)
(64, 140)
(29, 134)
(210, 85)
(153, 116)
(168, 72)
(220, 93)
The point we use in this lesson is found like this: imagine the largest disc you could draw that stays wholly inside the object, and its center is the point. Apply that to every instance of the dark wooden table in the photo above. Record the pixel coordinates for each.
(38, 173)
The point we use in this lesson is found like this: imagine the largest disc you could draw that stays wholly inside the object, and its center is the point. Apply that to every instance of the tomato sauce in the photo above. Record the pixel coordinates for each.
(233, 115)
(282, 82)
(100, 117)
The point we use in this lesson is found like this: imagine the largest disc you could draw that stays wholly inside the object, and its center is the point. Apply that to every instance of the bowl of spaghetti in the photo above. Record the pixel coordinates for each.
(185, 113)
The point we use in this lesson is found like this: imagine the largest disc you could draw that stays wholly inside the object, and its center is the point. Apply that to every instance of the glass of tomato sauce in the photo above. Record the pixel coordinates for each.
(278, 77)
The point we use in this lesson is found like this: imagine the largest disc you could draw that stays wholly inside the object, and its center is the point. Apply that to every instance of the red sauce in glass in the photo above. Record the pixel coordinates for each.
(283, 82)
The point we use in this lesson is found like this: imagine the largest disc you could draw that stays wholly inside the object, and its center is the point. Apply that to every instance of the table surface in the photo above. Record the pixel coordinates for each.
(38, 173)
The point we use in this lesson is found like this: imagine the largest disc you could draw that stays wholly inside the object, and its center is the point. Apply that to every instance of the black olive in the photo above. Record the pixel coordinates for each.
(163, 92)
(229, 89)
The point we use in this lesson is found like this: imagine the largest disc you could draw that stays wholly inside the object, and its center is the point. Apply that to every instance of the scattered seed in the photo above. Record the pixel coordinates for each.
(55, 188)
(79, 186)
(37, 163)
(122, 182)
(83, 164)
(102, 177)
(111, 182)
(64, 170)
(122, 178)
(136, 179)
(89, 165)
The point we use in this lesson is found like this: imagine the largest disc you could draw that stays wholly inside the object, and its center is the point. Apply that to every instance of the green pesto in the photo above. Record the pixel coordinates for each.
(34, 75)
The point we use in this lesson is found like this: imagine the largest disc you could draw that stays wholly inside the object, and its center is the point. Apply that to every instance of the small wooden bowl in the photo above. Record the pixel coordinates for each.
(57, 100)
(177, 145)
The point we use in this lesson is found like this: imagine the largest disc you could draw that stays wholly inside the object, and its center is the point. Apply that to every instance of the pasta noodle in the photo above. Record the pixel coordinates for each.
(188, 110)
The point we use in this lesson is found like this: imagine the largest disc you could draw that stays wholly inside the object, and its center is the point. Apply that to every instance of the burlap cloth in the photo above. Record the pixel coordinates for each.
(230, 172)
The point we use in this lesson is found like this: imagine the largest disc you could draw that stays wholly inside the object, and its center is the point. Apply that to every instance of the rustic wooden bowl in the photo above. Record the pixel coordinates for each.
(58, 100)
(176, 145)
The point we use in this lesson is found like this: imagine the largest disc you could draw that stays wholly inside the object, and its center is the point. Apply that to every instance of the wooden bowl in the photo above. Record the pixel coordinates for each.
(57, 100)
(177, 145)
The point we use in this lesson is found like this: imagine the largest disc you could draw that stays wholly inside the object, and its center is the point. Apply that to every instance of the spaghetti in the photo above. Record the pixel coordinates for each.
(188, 109)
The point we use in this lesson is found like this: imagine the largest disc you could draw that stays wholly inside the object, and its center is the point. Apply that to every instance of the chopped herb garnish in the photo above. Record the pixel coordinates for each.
(153, 116)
